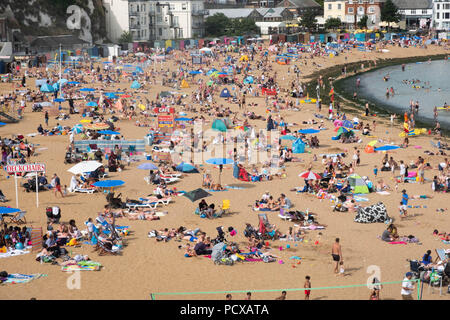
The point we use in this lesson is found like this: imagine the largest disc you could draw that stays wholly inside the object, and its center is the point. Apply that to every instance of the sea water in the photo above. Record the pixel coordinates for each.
(434, 89)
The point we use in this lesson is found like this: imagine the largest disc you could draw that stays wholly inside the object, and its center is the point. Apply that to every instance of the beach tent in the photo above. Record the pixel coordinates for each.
(244, 58)
(298, 146)
(135, 85)
(372, 214)
(219, 125)
(225, 93)
(358, 184)
(248, 80)
(47, 88)
(186, 167)
(184, 84)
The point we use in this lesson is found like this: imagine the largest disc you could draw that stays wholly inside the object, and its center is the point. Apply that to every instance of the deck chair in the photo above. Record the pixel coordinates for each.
(226, 206)
(103, 249)
(18, 218)
(441, 254)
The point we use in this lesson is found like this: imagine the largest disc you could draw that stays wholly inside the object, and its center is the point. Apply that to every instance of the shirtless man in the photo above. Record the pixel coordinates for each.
(336, 253)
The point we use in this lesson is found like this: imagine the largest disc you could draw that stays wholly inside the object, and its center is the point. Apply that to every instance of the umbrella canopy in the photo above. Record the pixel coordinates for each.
(85, 166)
(125, 96)
(97, 126)
(108, 183)
(6, 210)
(87, 89)
(73, 82)
(147, 166)
(195, 72)
(3, 124)
(183, 119)
(309, 175)
(59, 100)
(342, 130)
(78, 128)
(135, 85)
(92, 104)
(387, 148)
(108, 132)
(62, 81)
(219, 161)
(111, 95)
(357, 183)
(186, 167)
(308, 131)
(47, 88)
(219, 125)
(372, 143)
(288, 137)
(196, 194)
(347, 124)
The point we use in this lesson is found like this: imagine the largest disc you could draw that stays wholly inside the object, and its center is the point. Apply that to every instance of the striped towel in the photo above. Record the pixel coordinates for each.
(16, 278)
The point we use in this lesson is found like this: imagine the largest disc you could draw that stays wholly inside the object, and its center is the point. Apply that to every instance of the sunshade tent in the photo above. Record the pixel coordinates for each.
(298, 146)
(197, 194)
(218, 251)
(164, 94)
(219, 125)
(184, 84)
(358, 184)
(135, 85)
(248, 80)
(85, 166)
(225, 93)
(147, 166)
(47, 88)
(78, 128)
(186, 167)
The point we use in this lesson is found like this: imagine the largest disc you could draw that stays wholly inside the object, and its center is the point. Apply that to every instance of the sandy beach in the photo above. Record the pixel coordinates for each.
(147, 266)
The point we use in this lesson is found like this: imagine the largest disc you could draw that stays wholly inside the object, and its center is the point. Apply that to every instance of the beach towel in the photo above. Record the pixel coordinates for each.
(13, 253)
(384, 193)
(372, 214)
(16, 278)
(398, 242)
(82, 266)
(360, 199)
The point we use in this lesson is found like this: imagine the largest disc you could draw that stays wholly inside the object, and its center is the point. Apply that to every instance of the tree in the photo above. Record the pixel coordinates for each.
(333, 23)
(243, 26)
(126, 37)
(362, 23)
(309, 20)
(217, 24)
(389, 13)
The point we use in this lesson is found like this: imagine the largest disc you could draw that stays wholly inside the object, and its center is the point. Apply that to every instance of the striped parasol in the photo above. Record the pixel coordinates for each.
(97, 126)
(309, 175)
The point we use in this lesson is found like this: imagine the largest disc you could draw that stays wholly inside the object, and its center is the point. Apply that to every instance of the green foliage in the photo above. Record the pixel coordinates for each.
(309, 20)
(333, 23)
(362, 24)
(126, 37)
(389, 13)
(219, 25)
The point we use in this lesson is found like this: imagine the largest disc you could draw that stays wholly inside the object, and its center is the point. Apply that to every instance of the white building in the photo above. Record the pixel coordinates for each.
(441, 11)
(148, 20)
(415, 13)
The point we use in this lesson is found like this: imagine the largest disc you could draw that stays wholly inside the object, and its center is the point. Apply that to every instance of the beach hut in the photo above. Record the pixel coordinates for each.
(184, 84)
(225, 93)
(358, 184)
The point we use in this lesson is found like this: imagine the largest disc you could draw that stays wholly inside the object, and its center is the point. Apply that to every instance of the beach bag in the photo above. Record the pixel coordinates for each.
(3, 274)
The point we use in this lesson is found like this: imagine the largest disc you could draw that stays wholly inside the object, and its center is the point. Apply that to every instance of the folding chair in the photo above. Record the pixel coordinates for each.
(18, 218)
(226, 206)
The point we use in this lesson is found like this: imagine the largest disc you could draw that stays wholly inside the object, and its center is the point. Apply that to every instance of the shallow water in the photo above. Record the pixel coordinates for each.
(433, 76)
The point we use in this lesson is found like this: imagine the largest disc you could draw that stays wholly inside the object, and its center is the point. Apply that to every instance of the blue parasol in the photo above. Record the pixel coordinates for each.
(219, 161)
(186, 167)
(108, 183)
(92, 104)
(3, 124)
(109, 132)
(6, 210)
(194, 72)
(73, 82)
(59, 100)
(87, 89)
(387, 148)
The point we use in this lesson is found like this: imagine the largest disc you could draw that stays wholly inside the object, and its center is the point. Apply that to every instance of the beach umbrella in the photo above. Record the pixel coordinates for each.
(196, 194)
(73, 82)
(195, 72)
(347, 124)
(309, 175)
(341, 130)
(92, 104)
(147, 166)
(135, 85)
(108, 183)
(387, 148)
(372, 143)
(46, 104)
(243, 128)
(62, 81)
(337, 123)
(87, 89)
(85, 166)
(59, 100)
(183, 119)
(97, 126)
(6, 210)
(357, 183)
(125, 96)
(186, 167)
(111, 95)
(220, 162)
(288, 137)
(47, 88)
(308, 131)
(108, 132)
(78, 128)
(2, 124)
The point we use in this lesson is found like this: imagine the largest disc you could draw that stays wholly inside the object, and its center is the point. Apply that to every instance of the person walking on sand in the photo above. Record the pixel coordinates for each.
(57, 182)
(307, 285)
(336, 253)
(407, 287)
(46, 118)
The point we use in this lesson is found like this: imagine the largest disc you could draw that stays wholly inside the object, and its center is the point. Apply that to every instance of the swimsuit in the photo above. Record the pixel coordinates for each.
(336, 257)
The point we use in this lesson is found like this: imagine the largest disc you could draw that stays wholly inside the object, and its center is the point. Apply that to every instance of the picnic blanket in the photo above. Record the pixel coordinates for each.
(372, 214)
(82, 266)
(13, 253)
(16, 278)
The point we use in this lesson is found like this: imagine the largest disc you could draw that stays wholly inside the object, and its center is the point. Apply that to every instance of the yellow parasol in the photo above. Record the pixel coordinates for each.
(372, 143)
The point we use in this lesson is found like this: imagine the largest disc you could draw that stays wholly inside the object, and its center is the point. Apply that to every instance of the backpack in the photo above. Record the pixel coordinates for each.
(3, 274)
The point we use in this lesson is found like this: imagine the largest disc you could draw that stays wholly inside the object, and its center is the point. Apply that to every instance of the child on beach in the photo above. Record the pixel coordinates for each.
(403, 210)
(307, 285)
(375, 171)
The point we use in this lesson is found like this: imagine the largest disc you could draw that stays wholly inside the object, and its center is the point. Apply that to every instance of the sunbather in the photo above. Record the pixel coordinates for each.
(139, 214)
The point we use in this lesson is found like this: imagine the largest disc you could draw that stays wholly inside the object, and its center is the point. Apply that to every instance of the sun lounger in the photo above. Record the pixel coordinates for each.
(170, 180)
(164, 201)
(151, 205)
(84, 190)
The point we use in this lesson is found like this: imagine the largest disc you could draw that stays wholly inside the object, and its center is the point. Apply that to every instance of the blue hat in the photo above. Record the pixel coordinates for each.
(409, 274)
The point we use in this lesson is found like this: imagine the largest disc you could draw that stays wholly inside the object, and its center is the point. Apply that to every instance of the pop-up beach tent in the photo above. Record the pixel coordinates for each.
(135, 85)
(184, 84)
(298, 146)
(225, 93)
(358, 184)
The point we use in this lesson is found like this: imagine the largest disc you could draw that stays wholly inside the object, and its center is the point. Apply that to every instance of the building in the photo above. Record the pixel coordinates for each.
(299, 7)
(334, 9)
(52, 43)
(441, 12)
(415, 13)
(356, 9)
(148, 20)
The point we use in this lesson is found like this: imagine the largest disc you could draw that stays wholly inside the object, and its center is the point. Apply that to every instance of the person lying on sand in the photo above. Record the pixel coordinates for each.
(139, 214)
